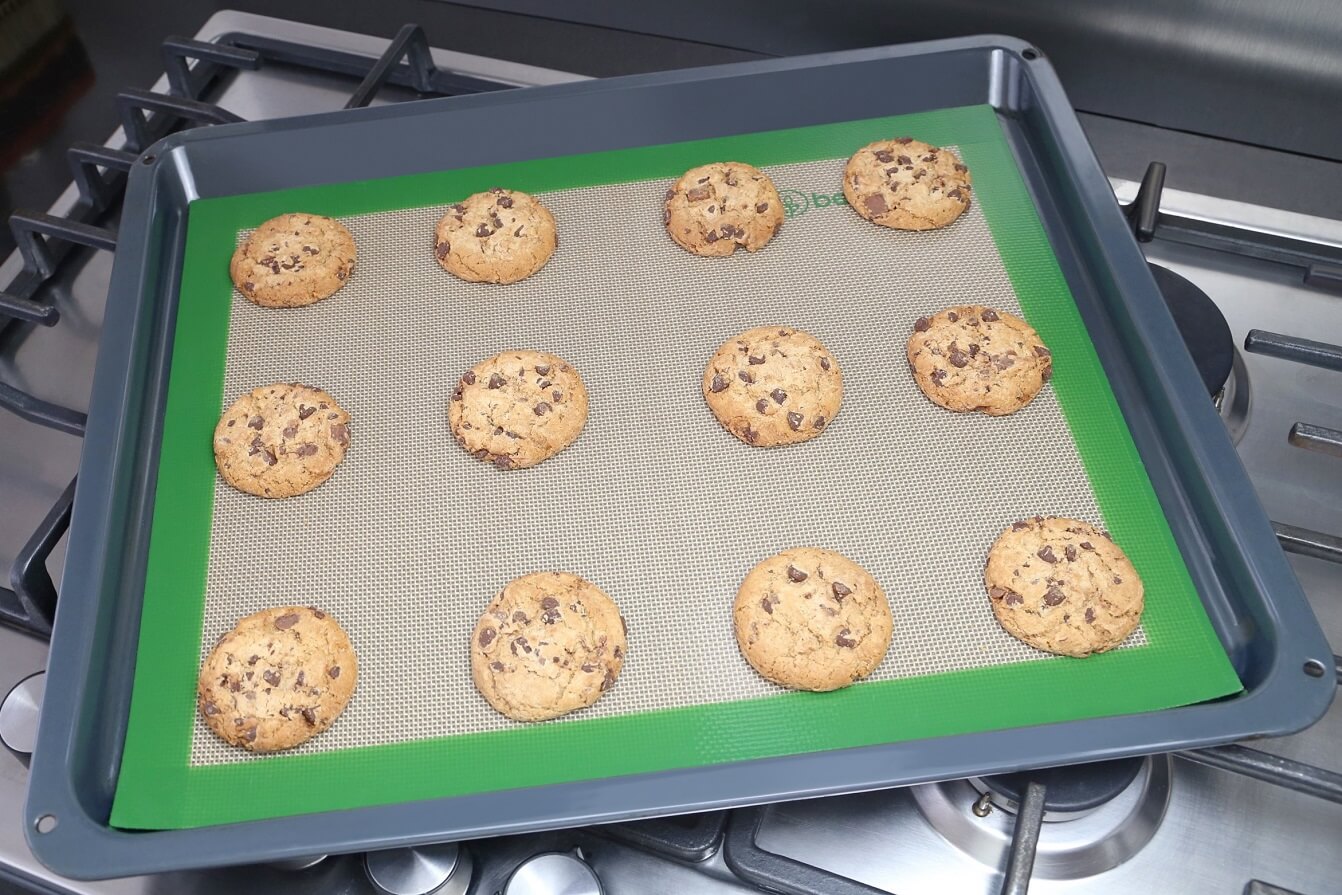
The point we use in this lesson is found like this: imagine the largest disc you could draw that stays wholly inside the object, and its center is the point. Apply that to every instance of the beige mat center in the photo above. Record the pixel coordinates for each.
(655, 502)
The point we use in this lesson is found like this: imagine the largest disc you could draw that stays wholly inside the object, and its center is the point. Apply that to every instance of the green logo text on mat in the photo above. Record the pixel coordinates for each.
(797, 202)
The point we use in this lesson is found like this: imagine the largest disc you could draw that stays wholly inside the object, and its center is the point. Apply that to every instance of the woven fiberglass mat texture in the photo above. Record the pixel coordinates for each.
(656, 503)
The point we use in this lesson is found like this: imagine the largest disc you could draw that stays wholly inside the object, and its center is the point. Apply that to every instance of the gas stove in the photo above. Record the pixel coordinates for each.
(1257, 293)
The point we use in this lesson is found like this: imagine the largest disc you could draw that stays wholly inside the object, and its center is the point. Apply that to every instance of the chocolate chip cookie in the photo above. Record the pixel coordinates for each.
(279, 678)
(293, 260)
(1063, 586)
(713, 209)
(812, 619)
(972, 357)
(499, 236)
(281, 440)
(907, 184)
(518, 408)
(550, 643)
(773, 385)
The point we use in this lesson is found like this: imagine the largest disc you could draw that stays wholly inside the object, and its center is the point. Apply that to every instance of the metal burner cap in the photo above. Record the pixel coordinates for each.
(442, 869)
(554, 874)
(18, 713)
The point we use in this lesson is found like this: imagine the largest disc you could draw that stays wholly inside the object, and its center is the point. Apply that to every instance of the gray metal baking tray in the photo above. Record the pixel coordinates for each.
(1248, 590)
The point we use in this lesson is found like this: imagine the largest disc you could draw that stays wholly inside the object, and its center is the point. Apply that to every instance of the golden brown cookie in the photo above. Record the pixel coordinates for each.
(812, 619)
(518, 408)
(713, 209)
(279, 678)
(773, 385)
(972, 357)
(907, 184)
(499, 236)
(549, 643)
(1063, 586)
(281, 440)
(293, 260)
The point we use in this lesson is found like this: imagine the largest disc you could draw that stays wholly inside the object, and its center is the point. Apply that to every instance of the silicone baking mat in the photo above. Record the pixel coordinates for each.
(655, 502)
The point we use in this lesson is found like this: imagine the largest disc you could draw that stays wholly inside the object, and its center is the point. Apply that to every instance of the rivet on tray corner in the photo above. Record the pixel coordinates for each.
(1314, 668)
(148, 159)
(1030, 53)
(45, 824)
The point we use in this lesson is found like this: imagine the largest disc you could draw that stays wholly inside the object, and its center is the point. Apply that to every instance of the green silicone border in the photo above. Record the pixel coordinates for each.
(1184, 661)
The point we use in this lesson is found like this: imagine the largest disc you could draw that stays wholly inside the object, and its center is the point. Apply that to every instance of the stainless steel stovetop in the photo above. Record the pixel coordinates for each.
(1181, 826)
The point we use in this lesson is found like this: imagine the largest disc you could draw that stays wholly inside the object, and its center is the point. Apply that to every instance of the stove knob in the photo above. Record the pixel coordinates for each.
(18, 713)
(442, 869)
(554, 874)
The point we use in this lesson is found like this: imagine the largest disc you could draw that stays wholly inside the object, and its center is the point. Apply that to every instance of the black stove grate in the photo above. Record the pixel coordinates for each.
(46, 242)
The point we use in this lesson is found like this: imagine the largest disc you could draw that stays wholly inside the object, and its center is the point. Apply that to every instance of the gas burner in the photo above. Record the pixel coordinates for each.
(1071, 790)
(1092, 823)
(1207, 334)
(1202, 325)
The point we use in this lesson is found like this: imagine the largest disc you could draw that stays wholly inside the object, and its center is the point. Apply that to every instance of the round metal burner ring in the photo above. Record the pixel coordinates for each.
(1072, 846)
(1233, 400)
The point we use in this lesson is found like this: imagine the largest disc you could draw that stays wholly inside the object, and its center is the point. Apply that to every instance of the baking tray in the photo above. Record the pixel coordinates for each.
(1252, 600)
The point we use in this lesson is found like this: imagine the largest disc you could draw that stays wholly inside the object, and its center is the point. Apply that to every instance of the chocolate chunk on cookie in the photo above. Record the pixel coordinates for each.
(518, 408)
(812, 619)
(907, 184)
(498, 236)
(714, 209)
(281, 440)
(773, 385)
(279, 678)
(972, 357)
(548, 644)
(1063, 586)
(293, 260)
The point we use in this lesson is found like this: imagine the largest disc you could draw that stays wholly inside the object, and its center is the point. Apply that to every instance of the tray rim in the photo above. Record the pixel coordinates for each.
(83, 847)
